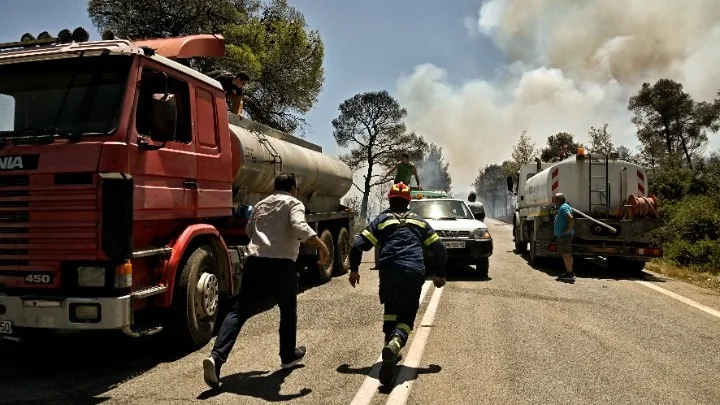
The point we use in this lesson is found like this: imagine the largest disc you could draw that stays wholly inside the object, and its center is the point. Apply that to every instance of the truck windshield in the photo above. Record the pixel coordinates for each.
(441, 209)
(73, 96)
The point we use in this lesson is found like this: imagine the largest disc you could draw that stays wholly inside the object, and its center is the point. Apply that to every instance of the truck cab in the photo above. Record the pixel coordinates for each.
(466, 239)
(115, 158)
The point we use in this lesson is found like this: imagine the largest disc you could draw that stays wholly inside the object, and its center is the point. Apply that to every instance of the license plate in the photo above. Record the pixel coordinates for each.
(454, 245)
(6, 328)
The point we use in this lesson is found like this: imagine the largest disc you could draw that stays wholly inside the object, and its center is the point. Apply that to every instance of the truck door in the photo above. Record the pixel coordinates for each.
(166, 178)
(213, 165)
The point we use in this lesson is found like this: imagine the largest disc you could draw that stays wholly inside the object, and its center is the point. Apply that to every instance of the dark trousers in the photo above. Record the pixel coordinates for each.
(400, 295)
(263, 278)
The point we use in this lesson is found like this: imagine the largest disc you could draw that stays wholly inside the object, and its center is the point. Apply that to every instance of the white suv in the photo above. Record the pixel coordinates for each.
(466, 239)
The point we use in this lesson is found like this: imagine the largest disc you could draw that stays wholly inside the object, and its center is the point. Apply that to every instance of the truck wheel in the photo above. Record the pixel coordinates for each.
(197, 294)
(521, 247)
(342, 252)
(482, 266)
(325, 271)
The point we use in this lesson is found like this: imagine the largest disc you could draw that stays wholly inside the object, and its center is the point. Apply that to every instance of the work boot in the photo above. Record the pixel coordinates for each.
(390, 357)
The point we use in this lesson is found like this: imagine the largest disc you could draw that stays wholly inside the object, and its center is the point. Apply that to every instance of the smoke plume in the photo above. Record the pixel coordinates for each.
(570, 64)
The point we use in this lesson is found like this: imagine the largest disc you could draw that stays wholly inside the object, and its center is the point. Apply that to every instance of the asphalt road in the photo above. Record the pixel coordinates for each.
(519, 338)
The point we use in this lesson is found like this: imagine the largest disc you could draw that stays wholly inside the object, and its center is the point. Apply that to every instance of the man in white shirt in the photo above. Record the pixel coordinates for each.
(276, 228)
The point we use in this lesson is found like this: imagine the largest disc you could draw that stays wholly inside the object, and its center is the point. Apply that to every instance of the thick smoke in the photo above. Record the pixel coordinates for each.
(571, 64)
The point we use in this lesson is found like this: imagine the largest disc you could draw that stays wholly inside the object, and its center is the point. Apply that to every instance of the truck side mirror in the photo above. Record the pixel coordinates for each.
(510, 183)
(163, 117)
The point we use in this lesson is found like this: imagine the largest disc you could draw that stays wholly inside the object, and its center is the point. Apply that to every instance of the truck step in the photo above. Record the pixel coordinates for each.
(149, 291)
(142, 331)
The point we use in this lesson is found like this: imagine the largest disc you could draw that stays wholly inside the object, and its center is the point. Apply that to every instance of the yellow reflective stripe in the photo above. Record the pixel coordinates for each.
(432, 239)
(389, 317)
(369, 236)
(406, 328)
(388, 222)
(421, 224)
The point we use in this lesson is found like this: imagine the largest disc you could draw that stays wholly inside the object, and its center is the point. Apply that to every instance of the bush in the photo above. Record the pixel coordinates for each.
(691, 232)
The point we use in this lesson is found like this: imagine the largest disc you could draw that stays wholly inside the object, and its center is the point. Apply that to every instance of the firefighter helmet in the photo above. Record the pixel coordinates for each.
(400, 190)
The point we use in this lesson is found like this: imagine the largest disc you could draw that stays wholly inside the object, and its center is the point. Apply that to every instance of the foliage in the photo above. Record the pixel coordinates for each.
(601, 140)
(434, 171)
(668, 118)
(268, 40)
(371, 125)
(491, 187)
(559, 147)
(692, 232)
(523, 152)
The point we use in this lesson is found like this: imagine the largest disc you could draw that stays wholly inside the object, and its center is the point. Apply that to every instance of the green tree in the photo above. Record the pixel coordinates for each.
(625, 154)
(491, 186)
(434, 171)
(523, 152)
(559, 147)
(371, 125)
(269, 40)
(601, 140)
(663, 112)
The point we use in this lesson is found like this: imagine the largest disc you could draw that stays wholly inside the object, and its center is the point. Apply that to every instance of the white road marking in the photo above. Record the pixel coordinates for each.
(371, 384)
(680, 298)
(408, 373)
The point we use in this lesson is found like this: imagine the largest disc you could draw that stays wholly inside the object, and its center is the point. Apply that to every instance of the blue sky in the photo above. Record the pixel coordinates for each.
(368, 44)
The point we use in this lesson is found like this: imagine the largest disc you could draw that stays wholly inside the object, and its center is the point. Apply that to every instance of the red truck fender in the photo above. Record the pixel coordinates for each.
(190, 238)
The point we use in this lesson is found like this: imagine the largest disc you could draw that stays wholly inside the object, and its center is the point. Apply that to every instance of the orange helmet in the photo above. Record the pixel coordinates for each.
(400, 190)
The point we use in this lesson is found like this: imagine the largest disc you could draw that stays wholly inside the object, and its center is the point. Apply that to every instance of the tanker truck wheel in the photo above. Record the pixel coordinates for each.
(324, 272)
(196, 299)
(342, 257)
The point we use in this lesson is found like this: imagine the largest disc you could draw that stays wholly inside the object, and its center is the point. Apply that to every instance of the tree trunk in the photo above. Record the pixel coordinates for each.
(366, 193)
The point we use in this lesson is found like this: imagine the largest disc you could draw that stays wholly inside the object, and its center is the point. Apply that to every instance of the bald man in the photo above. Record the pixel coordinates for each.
(564, 232)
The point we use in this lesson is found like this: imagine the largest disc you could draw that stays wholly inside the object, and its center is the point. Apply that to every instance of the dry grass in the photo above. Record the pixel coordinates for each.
(699, 278)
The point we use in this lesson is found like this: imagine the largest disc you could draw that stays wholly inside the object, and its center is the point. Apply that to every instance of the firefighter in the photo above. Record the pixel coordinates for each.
(400, 236)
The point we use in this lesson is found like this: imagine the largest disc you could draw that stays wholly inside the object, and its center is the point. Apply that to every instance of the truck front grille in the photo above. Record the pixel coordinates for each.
(43, 223)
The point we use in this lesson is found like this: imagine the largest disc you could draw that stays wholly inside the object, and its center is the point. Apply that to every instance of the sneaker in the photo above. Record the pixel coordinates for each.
(299, 355)
(567, 277)
(211, 372)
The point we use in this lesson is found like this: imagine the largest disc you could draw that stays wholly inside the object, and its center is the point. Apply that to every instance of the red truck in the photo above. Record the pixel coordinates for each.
(125, 187)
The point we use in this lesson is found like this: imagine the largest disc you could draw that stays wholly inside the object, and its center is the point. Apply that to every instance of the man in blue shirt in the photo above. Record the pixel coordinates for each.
(399, 236)
(564, 232)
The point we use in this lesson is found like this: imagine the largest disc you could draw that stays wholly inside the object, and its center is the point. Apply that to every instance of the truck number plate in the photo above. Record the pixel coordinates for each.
(6, 328)
(454, 245)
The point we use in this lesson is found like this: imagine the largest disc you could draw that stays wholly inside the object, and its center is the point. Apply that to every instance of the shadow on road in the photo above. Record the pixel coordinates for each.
(79, 367)
(257, 384)
(400, 370)
(588, 268)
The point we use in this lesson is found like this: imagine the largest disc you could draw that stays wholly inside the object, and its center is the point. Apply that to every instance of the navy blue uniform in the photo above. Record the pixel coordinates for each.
(400, 238)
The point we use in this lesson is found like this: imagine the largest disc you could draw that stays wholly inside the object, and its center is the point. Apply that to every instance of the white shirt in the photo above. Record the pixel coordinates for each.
(277, 227)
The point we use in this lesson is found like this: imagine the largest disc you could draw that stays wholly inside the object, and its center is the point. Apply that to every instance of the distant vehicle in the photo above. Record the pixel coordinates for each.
(466, 239)
(613, 213)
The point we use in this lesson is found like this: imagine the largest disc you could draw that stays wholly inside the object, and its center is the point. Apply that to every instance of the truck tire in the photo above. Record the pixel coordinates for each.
(342, 252)
(482, 266)
(325, 272)
(196, 298)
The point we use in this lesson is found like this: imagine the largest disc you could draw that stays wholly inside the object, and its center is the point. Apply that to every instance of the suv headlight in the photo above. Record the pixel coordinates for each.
(91, 276)
(480, 233)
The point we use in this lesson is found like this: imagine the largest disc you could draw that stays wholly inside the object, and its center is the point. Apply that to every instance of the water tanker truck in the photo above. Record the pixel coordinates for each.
(125, 188)
(614, 216)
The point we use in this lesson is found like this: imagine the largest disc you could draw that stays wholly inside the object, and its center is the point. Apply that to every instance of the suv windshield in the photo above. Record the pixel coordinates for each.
(441, 209)
(73, 96)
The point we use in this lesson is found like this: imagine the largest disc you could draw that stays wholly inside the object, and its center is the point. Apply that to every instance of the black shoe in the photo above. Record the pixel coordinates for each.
(299, 355)
(211, 372)
(570, 277)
